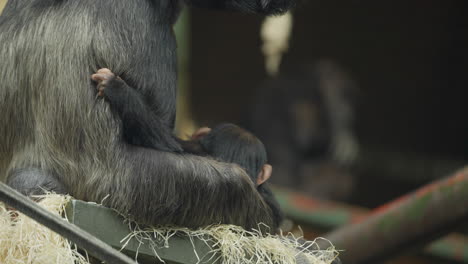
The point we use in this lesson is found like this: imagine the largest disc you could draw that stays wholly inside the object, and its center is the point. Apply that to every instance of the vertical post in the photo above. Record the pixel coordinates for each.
(184, 122)
(2, 5)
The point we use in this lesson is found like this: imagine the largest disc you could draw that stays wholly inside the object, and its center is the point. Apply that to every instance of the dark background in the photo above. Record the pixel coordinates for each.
(409, 59)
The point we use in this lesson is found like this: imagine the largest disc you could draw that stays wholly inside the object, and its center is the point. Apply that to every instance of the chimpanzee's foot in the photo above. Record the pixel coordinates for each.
(33, 181)
(103, 77)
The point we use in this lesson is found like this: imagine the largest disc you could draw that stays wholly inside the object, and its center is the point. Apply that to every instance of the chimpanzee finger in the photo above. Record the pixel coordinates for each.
(105, 71)
(99, 77)
(201, 132)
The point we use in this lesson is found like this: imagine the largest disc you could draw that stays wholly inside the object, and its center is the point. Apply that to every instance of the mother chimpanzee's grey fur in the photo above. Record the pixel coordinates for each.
(53, 128)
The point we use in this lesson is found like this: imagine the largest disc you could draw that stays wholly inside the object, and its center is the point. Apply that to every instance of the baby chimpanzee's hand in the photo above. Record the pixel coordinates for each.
(102, 77)
(201, 132)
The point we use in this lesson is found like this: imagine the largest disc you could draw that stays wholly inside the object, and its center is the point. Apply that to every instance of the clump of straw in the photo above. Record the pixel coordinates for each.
(22, 240)
(233, 245)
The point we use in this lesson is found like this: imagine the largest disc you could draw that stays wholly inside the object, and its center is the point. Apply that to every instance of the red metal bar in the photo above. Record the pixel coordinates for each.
(327, 215)
(407, 222)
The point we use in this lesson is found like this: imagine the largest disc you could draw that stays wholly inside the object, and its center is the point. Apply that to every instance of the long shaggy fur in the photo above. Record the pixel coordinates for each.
(51, 121)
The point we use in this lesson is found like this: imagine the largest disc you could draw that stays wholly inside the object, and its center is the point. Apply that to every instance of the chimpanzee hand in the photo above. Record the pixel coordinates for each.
(201, 132)
(121, 97)
(104, 77)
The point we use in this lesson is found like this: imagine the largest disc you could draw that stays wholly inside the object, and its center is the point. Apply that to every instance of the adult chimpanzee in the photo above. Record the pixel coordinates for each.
(305, 117)
(54, 132)
(225, 142)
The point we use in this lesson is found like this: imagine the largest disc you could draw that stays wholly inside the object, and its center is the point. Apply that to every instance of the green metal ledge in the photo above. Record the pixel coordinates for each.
(111, 228)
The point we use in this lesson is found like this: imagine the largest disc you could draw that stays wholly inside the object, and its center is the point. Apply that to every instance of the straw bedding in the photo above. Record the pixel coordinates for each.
(23, 241)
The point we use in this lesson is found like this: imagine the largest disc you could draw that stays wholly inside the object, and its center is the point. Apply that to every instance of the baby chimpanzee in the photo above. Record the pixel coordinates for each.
(225, 142)
(230, 143)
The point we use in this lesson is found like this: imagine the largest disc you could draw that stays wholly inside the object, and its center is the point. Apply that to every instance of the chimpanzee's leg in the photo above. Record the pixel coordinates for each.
(33, 181)
(141, 125)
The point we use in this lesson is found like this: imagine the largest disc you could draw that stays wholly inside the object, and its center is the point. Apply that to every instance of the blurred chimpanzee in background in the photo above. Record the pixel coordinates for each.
(305, 119)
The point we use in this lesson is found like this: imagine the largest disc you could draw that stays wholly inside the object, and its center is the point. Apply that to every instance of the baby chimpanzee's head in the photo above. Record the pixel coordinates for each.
(230, 143)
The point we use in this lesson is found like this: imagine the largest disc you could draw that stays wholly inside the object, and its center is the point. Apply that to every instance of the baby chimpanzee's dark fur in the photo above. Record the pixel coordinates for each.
(225, 142)
(230, 143)
(233, 144)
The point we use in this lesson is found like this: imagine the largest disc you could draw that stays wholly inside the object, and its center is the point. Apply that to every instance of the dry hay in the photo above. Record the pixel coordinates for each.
(23, 241)
(234, 245)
